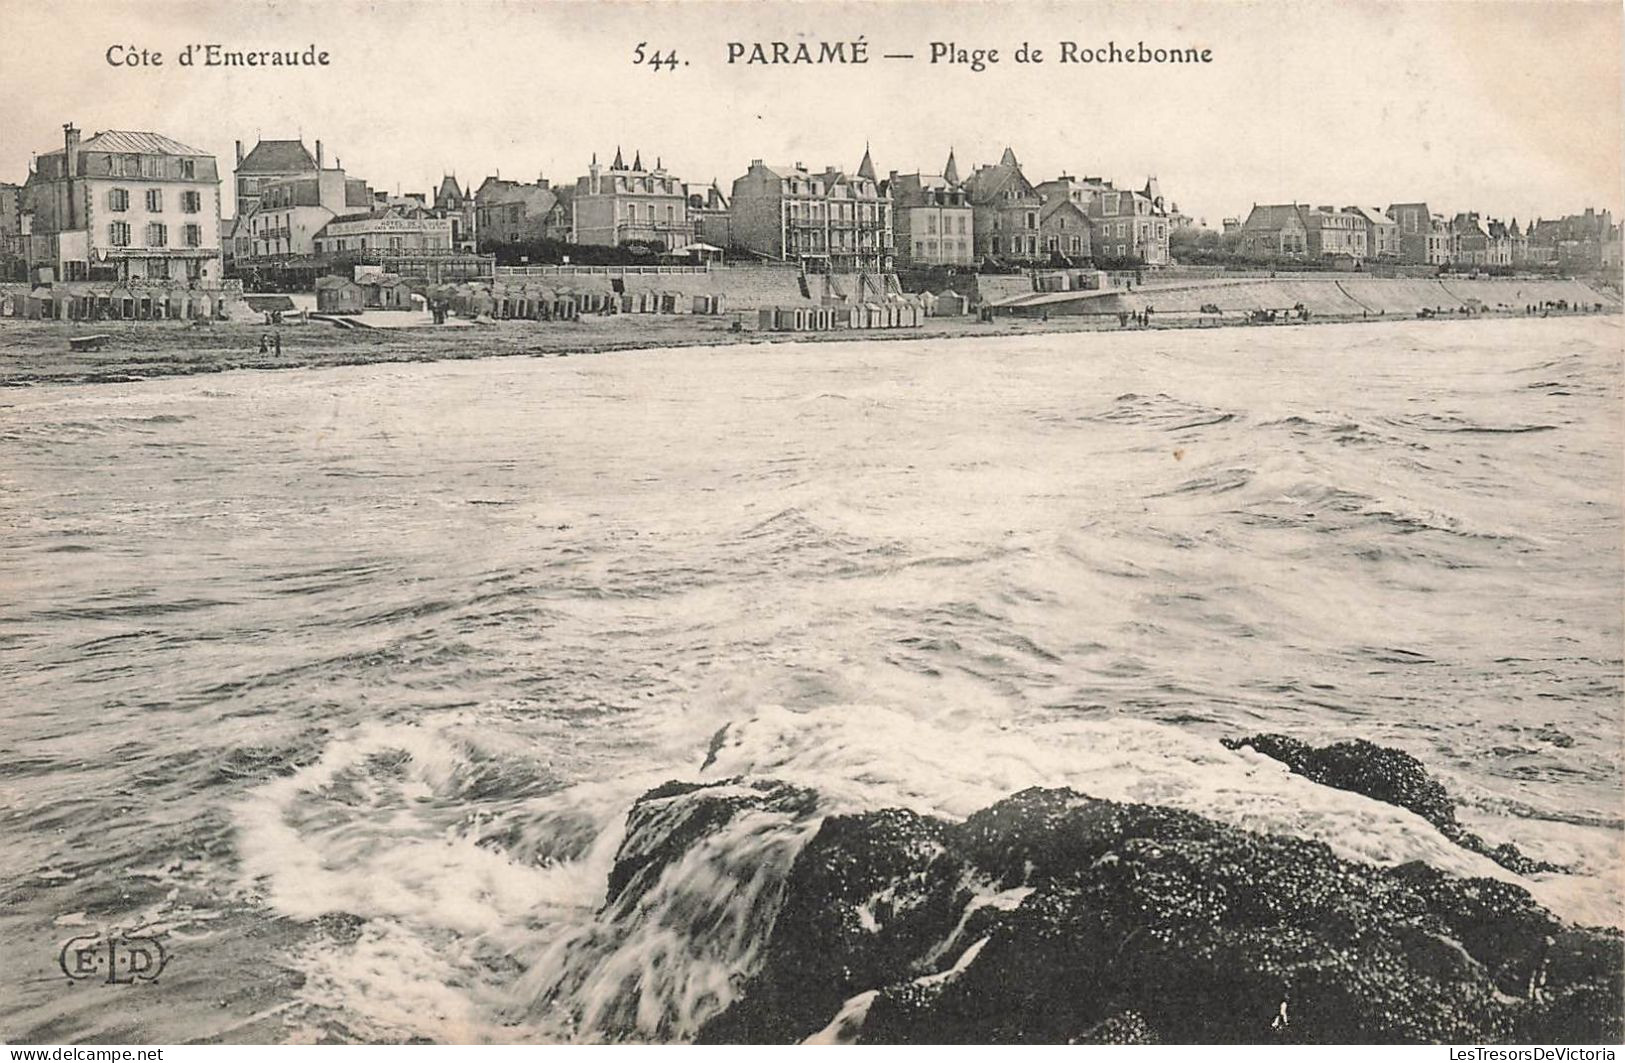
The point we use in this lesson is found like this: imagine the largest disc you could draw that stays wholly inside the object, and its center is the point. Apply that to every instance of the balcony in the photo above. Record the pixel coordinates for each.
(159, 252)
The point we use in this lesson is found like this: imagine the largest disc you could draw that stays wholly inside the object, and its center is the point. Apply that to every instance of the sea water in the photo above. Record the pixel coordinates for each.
(344, 680)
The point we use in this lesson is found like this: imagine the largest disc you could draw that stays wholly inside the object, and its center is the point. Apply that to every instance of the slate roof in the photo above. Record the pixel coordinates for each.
(1466, 224)
(866, 168)
(536, 199)
(124, 141)
(278, 156)
(987, 182)
(492, 186)
(1373, 214)
(1275, 216)
(1061, 203)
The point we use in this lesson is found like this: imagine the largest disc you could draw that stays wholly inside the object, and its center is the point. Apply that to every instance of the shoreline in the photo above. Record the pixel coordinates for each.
(35, 353)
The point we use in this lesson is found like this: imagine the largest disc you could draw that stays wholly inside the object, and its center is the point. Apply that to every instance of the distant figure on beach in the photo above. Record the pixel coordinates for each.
(279, 345)
(264, 344)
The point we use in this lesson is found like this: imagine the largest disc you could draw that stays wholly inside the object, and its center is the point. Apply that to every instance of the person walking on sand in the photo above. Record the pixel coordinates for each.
(264, 346)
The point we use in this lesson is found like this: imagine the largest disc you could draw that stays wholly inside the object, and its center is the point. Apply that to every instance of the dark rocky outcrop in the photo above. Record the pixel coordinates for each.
(1389, 775)
(660, 829)
(1124, 923)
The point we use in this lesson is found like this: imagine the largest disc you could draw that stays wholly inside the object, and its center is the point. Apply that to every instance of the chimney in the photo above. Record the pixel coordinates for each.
(239, 153)
(70, 164)
(318, 155)
(70, 153)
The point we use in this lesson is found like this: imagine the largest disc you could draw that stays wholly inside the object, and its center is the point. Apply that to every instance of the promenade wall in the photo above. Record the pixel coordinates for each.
(1336, 297)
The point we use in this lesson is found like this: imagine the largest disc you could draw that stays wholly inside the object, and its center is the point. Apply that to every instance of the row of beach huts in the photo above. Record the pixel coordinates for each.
(538, 300)
(907, 311)
(91, 301)
(506, 301)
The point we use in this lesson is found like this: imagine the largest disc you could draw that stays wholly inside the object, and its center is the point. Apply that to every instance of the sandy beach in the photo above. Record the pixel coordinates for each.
(37, 352)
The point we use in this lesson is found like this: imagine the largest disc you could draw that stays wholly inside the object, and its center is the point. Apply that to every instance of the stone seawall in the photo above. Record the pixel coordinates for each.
(1330, 297)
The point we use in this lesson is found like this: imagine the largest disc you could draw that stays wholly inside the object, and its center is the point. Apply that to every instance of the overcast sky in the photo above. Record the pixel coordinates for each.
(1511, 109)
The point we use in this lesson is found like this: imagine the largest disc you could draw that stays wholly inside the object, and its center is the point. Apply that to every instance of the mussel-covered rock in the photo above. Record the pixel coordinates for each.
(1389, 775)
(1052, 917)
(871, 895)
(665, 823)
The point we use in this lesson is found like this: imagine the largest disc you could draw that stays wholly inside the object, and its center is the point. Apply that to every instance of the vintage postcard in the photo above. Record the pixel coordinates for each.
(915, 522)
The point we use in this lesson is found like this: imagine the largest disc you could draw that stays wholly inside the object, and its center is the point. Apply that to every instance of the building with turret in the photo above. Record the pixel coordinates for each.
(1576, 241)
(1499, 247)
(828, 222)
(1125, 225)
(1006, 210)
(625, 203)
(932, 220)
(456, 205)
(860, 220)
(1131, 225)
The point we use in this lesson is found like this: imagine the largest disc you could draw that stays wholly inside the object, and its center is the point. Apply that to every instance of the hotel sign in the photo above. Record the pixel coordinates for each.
(372, 225)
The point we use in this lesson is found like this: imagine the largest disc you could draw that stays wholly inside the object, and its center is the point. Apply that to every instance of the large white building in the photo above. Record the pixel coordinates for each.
(829, 222)
(124, 205)
(292, 211)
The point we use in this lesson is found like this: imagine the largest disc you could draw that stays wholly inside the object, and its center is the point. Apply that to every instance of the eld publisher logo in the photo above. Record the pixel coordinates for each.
(113, 957)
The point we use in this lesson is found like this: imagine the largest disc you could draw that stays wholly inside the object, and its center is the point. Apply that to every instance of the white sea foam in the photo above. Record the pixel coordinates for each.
(658, 962)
